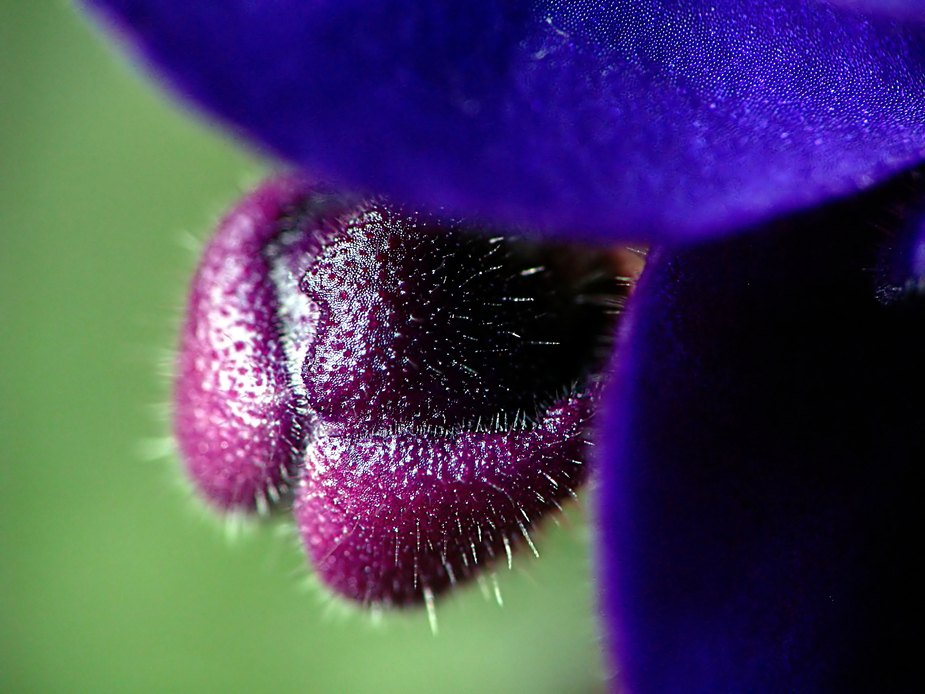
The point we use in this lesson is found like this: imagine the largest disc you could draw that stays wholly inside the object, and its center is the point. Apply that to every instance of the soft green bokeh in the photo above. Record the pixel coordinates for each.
(111, 578)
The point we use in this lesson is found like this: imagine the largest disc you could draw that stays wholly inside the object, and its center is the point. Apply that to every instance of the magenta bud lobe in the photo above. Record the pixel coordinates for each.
(238, 422)
(388, 517)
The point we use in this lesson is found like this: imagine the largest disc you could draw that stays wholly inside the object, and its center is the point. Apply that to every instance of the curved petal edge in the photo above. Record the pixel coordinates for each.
(627, 118)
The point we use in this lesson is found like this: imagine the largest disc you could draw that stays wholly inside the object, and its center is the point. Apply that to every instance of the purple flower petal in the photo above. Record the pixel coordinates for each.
(762, 511)
(908, 10)
(621, 118)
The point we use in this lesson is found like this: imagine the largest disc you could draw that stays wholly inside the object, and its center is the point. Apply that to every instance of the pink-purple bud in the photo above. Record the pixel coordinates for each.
(419, 390)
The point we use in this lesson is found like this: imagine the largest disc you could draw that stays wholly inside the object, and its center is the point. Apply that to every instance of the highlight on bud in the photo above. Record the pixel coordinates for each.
(416, 390)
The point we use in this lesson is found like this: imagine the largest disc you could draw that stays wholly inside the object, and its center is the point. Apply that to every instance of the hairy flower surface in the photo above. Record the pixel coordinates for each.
(422, 391)
(758, 506)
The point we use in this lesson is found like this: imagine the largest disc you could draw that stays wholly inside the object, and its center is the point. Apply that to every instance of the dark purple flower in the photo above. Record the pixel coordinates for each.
(758, 507)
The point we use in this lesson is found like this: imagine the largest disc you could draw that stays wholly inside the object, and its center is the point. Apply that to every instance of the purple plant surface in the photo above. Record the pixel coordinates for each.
(422, 390)
(759, 510)
(624, 118)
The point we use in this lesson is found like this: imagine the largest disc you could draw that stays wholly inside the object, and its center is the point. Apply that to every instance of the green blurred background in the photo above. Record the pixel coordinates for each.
(112, 579)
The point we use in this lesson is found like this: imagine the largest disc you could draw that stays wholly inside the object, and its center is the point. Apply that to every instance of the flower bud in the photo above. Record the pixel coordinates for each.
(420, 389)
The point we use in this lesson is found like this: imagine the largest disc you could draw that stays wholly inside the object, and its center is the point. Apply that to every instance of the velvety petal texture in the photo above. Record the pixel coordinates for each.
(898, 9)
(761, 513)
(668, 118)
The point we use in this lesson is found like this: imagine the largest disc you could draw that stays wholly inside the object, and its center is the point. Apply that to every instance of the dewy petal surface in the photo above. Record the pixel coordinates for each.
(761, 512)
(627, 117)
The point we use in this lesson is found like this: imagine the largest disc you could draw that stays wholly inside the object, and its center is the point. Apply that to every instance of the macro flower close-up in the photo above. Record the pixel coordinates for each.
(758, 405)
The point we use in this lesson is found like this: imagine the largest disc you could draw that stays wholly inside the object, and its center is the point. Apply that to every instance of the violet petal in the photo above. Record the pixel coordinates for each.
(614, 119)
(762, 509)
(908, 10)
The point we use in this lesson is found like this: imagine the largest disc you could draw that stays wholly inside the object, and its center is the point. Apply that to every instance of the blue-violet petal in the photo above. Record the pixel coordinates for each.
(897, 9)
(666, 118)
(761, 509)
